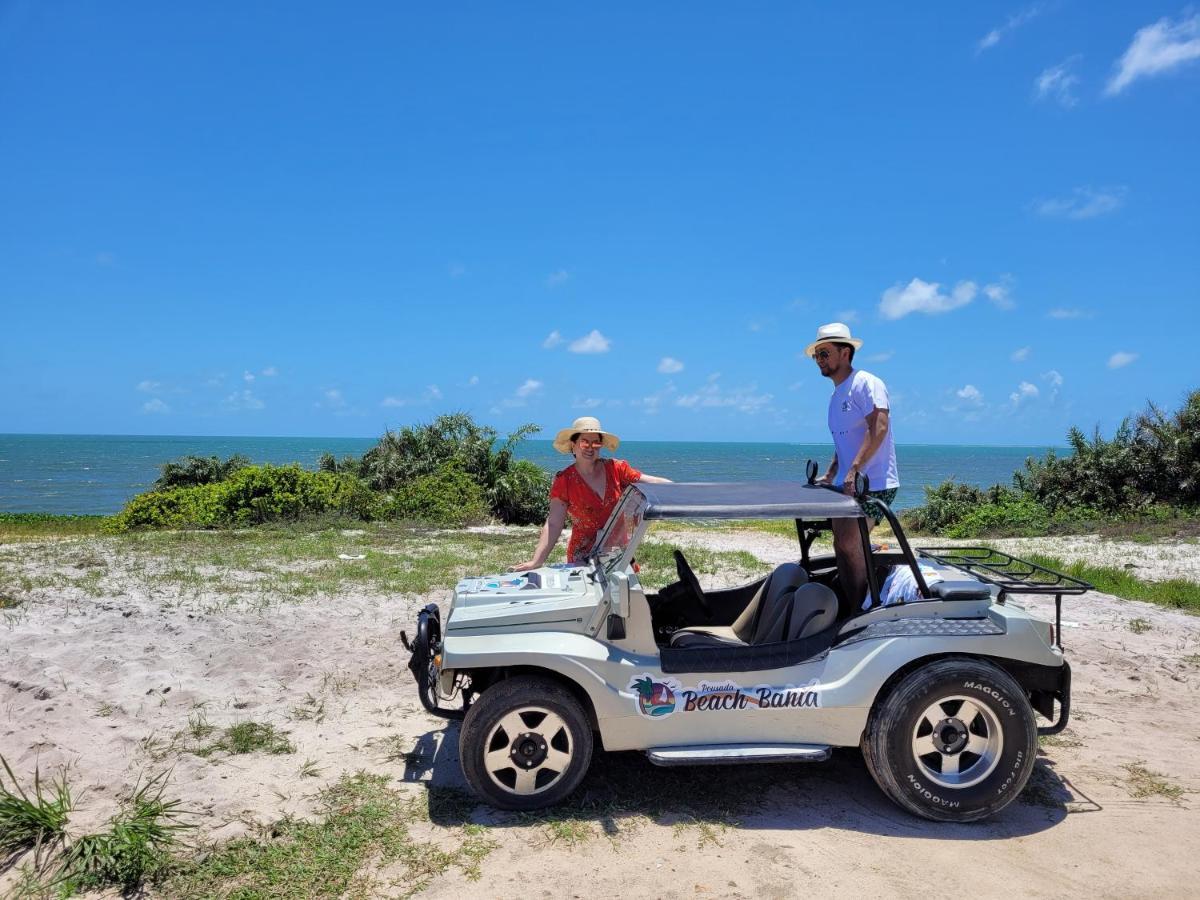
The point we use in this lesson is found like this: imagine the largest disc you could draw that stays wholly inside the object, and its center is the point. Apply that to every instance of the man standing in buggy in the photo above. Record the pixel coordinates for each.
(587, 490)
(860, 423)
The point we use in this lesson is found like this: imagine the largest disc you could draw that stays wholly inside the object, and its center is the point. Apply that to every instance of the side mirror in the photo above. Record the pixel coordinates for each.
(810, 470)
(862, 485)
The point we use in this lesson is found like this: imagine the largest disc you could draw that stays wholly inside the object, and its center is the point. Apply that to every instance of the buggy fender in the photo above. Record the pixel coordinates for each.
(577, 658)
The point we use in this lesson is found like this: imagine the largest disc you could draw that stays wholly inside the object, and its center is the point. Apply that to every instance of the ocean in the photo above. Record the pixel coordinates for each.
(97, 474)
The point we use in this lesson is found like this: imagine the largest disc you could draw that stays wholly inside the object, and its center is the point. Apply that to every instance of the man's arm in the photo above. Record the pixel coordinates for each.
(831, 472)
(878, 422)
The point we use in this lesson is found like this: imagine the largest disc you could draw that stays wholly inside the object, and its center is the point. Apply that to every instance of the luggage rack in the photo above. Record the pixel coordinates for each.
(1012, 574)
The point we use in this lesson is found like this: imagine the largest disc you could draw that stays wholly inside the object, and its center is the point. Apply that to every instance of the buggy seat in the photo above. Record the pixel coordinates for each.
(785, 607)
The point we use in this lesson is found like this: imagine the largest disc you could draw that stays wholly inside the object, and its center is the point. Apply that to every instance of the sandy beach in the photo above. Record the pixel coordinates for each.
(116, 664)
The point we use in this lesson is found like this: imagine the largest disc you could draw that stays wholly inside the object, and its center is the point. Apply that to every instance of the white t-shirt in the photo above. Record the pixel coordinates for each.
(852, 401)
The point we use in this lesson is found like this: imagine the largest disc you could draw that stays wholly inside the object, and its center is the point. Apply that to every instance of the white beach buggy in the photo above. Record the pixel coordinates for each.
(940, 694)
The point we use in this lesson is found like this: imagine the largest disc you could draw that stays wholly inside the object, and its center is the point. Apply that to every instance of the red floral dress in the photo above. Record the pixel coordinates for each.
(587, 510)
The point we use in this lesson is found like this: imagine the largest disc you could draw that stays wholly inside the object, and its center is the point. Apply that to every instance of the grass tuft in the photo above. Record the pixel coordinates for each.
(1177, 593)
(361, 819)
(250, 737)
(137, 846)
(34, 821)
(1144, 783)
(1139, 626)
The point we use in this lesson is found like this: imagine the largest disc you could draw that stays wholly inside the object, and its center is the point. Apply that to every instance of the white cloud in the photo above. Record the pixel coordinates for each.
(587, 403)
(712, 395)
(847, 316)
(331, 398)
(155, 406)
(993, 37)
(553, 339)
(881, 357)
(1060, 312)
(248, 377)
(472, 381)
(1000, 293)
(924, 297)
(393, 402)
(239, 400)
(1057, 83)
(593, 342)
(528, 388)
(270, 372)
(669, 365)
(1024, 391)
(1084, 203)
(557, 279)
(970, 393)
(456, 270)
(1156, 49)
(1021, 354)
(1121, 359)
(1055, 380)
(433, 392)
(795, 385)
(149, 387)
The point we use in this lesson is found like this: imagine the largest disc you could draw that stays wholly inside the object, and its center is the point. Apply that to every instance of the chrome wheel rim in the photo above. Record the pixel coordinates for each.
(957, 742)
(528, 751)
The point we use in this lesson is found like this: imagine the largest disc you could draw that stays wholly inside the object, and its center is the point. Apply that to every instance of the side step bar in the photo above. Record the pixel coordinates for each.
(724, 754)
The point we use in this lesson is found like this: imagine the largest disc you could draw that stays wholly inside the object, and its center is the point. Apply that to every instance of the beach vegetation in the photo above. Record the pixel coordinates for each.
(34, 819)
(1148, 471)
(249, 737)
(449, 472)
(1142, 783)
(361, 819)
(1176, 593)
(35, 526)
(138, 846)
(192, 471)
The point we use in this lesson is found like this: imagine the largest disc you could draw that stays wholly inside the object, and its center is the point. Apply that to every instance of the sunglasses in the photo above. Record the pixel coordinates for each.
(826, 354)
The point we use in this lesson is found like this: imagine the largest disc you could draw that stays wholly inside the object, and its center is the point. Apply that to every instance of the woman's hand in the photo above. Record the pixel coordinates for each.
(525, 566)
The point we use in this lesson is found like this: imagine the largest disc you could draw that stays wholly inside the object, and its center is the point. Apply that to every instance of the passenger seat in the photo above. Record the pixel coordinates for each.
(771, 615)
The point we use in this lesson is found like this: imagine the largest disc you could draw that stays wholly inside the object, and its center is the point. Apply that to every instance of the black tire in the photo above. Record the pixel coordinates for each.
(970, 771)
(552, 738)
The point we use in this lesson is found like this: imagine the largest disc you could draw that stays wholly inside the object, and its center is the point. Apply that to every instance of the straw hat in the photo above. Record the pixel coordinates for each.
(833, 333)
(584, 425)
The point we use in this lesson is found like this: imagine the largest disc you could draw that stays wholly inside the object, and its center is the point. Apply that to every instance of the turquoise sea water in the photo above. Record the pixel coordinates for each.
(98, 473)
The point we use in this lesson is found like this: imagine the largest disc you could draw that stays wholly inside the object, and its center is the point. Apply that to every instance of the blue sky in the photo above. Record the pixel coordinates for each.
(315, 219)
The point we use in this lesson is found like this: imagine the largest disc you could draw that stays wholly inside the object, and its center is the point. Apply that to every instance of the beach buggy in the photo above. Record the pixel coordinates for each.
(937, 674)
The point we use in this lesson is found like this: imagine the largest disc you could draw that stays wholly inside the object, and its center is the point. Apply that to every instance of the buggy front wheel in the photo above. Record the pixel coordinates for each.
(954, 741)
(526, 743)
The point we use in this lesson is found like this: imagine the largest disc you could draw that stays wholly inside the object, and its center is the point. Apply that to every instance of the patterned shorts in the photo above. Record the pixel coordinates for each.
(870, 503)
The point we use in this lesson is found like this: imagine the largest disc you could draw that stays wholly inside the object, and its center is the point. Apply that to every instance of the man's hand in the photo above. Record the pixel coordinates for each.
(848, 484)
(525, 566)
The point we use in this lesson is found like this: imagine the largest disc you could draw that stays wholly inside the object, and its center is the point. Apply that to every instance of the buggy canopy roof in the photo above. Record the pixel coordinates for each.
(746, 500)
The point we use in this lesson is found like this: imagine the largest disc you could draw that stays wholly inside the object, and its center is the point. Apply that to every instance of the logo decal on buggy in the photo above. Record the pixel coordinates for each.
(659, 699)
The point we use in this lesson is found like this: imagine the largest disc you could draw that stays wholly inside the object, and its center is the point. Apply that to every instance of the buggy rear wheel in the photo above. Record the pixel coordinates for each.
(526, 743)
(954, 741)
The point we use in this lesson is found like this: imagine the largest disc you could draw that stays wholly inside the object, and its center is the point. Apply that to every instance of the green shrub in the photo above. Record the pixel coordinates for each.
(521, 495)
(448, 496)
(510, 487)
(1020, 517)
(196, 470)
(945, 505)
(252, 495)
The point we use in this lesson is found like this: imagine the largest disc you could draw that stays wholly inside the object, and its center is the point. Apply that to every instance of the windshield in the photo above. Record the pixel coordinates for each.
(622, 525)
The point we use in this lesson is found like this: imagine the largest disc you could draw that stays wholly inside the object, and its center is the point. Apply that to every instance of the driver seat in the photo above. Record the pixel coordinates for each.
(785, 607)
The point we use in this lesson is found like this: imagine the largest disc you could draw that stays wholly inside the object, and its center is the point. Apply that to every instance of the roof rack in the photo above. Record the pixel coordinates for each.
(1012, 574)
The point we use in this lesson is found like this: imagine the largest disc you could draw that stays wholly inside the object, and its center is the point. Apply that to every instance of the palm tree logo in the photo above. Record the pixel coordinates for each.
(654, 697)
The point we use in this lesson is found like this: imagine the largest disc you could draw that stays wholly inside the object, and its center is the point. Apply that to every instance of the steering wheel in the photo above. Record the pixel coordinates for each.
(689, 580)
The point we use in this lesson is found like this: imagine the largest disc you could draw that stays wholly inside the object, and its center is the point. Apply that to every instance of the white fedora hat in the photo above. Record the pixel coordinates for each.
(833, 333)
(585, 425)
